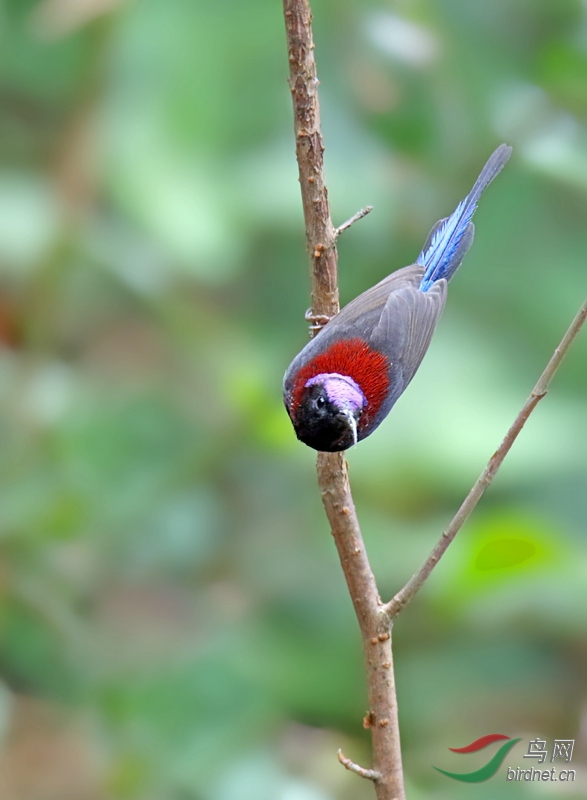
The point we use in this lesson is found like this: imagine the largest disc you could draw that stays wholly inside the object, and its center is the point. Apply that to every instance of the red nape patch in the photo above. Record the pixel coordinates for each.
(352, 357)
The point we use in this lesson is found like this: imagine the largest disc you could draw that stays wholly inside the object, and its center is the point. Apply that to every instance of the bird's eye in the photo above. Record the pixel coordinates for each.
(320, 401)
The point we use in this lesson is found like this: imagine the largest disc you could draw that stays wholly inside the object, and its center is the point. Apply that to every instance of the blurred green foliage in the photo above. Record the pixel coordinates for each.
(173, 622)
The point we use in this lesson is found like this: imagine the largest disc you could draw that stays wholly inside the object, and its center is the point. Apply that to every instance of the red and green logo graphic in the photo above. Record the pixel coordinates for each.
(489, 770)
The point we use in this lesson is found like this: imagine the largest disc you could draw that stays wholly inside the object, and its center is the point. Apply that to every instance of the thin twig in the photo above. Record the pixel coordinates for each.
(403, 597)
(370, 774)
(355, 218)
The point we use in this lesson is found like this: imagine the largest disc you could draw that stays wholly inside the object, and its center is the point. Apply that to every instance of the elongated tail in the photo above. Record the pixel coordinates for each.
(450, 238)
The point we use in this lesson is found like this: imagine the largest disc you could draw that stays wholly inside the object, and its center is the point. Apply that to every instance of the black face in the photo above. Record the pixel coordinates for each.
(319, 424)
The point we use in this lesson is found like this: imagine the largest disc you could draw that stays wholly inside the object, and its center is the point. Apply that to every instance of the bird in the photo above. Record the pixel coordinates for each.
(344, 382)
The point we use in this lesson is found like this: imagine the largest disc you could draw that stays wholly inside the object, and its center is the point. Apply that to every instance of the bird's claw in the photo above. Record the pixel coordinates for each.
(318, 321)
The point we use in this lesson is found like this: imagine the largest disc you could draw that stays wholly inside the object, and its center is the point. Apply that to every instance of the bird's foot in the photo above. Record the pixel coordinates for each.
(317, 321)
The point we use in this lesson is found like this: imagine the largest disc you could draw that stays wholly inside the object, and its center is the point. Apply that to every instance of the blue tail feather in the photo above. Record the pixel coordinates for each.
(451, 238)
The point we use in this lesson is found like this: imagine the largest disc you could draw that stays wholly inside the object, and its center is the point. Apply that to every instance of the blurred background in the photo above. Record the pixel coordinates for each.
(174, 624)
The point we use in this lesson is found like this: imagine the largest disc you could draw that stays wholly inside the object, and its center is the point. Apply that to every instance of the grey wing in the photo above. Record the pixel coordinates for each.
(405, 329)
(367, 308)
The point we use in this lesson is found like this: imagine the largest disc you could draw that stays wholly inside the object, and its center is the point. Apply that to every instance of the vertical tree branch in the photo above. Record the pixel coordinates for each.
(333, 481)
(320, 232)
(381, 718)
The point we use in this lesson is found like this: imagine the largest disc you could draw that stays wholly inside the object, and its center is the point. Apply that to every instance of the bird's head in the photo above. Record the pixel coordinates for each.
(328, 412)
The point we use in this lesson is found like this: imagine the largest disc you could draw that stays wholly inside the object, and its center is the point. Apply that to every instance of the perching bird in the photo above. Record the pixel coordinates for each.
(342, 385)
